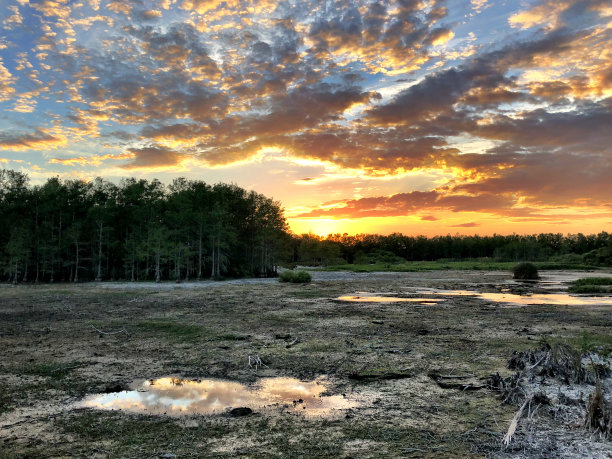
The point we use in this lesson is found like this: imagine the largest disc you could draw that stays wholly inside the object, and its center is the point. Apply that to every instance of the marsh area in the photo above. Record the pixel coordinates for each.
(409, 377)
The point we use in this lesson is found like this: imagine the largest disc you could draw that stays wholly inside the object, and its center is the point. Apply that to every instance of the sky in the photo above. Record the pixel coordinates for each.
(427, 117)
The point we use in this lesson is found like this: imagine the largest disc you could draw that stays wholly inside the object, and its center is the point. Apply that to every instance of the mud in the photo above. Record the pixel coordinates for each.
(62, 343)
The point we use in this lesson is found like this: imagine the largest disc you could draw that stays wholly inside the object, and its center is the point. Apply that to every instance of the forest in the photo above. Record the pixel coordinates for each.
(75, 230)
(564, 250)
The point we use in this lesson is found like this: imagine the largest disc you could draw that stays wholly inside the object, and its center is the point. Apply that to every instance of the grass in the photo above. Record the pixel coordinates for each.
(5, 400)
(296, 277)
(591, 285)
(175, 330)
(171, 329)
(124, 431)
(53, 370)
(595, 342)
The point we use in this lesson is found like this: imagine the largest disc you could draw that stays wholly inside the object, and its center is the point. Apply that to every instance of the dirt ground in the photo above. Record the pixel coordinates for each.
(62, 342)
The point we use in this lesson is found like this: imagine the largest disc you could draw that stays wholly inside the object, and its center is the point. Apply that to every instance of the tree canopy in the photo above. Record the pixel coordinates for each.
(72, 230)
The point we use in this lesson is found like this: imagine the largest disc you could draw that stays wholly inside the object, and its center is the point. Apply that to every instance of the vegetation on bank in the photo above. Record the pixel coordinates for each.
(591, 285)
(72, 230)
(296, 277)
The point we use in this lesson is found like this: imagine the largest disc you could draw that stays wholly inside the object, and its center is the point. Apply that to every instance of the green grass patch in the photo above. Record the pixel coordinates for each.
(594, 281)
(591, 285)
(55, 370)
(296, 277)
(151, 433)
(171, 329)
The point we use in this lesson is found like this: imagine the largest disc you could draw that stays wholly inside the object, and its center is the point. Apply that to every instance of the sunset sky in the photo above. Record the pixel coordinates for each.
(421, 117)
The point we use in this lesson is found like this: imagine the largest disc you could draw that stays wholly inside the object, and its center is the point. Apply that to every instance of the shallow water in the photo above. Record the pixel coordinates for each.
(533, 299)
(176, 397)
(368, 298)
(432, 296)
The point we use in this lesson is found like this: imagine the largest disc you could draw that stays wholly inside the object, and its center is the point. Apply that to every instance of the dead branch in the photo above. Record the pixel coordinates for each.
(514, 423)
(123, 330)
(256, 362)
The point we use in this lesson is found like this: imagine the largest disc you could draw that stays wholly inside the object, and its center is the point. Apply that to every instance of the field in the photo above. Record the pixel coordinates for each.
(418, 370)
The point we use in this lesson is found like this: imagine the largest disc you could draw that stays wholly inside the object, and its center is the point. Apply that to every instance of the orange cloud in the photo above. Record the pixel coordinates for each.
(91, 160)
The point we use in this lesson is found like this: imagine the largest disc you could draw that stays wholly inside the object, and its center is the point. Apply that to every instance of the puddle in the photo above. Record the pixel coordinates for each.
(534, 299)
(367, 298)
(177, 397)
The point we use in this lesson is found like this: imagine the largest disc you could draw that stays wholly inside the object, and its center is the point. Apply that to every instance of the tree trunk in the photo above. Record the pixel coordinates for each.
(16, 271)
(212, 272)
(177, 266)
(200, 253)
(76, 269)
(99, 275)
(157, 261)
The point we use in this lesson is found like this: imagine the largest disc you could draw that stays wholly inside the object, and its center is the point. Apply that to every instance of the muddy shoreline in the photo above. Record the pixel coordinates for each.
(62, 342)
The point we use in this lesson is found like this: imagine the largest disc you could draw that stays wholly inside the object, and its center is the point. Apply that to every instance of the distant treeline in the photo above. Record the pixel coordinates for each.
(73, 230)
(395, 248)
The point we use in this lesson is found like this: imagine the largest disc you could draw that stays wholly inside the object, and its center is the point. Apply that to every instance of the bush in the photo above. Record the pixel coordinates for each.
(296, 277)
(599, 257)
(525, 271)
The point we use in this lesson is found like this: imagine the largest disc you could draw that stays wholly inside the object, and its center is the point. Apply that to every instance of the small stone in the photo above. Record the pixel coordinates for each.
(242, 411)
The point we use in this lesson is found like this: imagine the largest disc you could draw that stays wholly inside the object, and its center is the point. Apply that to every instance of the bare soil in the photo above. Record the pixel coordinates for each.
(62, 342)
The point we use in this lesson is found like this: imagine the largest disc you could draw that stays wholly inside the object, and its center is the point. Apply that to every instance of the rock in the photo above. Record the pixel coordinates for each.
(241, 411)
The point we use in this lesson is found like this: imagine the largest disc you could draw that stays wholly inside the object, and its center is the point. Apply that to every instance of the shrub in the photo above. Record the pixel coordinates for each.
(297, 277)
(525, 271)
(599, 257)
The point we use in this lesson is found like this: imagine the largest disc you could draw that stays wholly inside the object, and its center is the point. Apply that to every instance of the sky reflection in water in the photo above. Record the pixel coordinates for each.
(432, 296)
(175, 397)
(367, 298)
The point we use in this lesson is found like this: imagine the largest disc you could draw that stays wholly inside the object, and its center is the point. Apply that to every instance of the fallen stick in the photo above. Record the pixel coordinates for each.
(455, 377)
(514, 423)
(123, 330)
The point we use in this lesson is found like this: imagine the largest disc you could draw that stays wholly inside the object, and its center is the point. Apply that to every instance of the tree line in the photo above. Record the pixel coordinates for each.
(74, 230)
(310, 249)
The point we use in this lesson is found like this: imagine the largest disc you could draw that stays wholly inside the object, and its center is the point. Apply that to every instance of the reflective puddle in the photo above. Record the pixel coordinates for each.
(368, 298)
(539, 298)
(433, 296)
(176, 397)
(533, 299)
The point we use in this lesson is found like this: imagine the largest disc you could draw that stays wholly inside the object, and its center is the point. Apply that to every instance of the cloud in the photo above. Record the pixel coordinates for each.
(466, 225)
(221, 81)
(6, 82)
(95, 160)
(153, 157)
(405, 204)
(39, 139)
